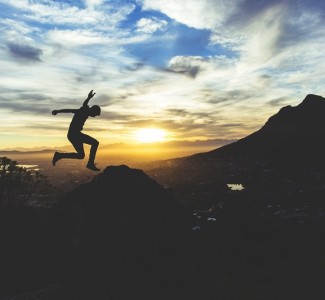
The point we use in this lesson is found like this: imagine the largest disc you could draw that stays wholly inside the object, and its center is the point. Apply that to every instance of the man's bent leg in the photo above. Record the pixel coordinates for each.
(56, 157)
(93, 150)
(76, 141)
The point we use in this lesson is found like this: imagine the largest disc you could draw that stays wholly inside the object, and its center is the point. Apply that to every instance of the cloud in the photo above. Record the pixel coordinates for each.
(19, 106)
(57, 12)
(15, 30)
(93, 3)
(203, 14)
(133, 67)
(250, 11)
(150, 25)
(75, 37)
(187, 65)
(188, 114)
(278, 102)
(257, 30)
(25, 52)
(192, 65)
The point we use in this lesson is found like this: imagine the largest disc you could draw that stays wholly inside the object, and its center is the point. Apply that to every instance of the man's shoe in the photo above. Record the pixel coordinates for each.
(91, 166)
(56, 157)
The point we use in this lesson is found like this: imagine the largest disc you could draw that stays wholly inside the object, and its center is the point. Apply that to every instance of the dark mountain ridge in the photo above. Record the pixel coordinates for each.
(293, 133)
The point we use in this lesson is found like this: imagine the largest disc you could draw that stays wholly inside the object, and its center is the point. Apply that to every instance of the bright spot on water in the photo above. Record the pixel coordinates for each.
(235, 186)
(29, 167)
(211, 219)
(195, 228)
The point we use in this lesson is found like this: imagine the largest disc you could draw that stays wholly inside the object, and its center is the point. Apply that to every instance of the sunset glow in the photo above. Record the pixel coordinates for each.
(150, 135)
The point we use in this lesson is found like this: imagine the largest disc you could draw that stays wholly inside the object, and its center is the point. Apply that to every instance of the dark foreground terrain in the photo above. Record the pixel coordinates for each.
(123, 236)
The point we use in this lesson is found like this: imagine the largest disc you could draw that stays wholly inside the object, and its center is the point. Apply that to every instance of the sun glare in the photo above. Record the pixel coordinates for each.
(150, 135)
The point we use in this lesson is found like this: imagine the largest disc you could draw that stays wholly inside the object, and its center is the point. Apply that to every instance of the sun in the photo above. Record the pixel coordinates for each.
(150, 135)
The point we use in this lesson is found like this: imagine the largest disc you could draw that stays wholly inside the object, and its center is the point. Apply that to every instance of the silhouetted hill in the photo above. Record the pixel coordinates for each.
(293, 133)
(124, 225)
(121, 191)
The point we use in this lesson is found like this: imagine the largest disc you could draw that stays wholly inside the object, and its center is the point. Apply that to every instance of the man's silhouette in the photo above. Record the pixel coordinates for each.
(76, 137)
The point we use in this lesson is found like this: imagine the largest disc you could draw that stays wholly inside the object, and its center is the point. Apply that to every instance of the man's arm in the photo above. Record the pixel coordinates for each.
(54, 112)
(90, 95)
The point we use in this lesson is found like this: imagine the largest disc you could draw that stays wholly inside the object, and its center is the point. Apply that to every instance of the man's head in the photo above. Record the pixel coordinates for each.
(94, 111)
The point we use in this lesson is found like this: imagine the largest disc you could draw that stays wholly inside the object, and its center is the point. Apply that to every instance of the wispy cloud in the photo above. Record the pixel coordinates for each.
(25, 52)
(150, 25)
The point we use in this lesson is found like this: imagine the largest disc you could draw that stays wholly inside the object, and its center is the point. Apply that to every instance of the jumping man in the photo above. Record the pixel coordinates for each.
(76, 137)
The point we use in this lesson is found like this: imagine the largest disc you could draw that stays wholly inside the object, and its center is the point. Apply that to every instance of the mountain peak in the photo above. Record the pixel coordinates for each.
(312, 100)
(122, 171)
(125, 180)
(302, 116)
(313, 97)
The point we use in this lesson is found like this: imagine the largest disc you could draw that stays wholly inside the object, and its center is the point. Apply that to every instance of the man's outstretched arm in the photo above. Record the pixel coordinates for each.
(90, 95)
(54, 112)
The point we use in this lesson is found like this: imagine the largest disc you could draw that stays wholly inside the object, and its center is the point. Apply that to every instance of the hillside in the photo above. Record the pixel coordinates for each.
(294, 133)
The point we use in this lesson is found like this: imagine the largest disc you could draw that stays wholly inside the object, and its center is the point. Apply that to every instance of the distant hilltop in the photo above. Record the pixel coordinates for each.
(294, 133)
(27, 151)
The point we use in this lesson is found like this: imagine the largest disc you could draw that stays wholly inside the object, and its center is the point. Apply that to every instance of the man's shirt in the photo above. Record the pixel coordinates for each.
(79, 118)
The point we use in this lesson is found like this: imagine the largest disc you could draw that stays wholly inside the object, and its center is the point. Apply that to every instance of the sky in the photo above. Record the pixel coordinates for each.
(197, 69)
